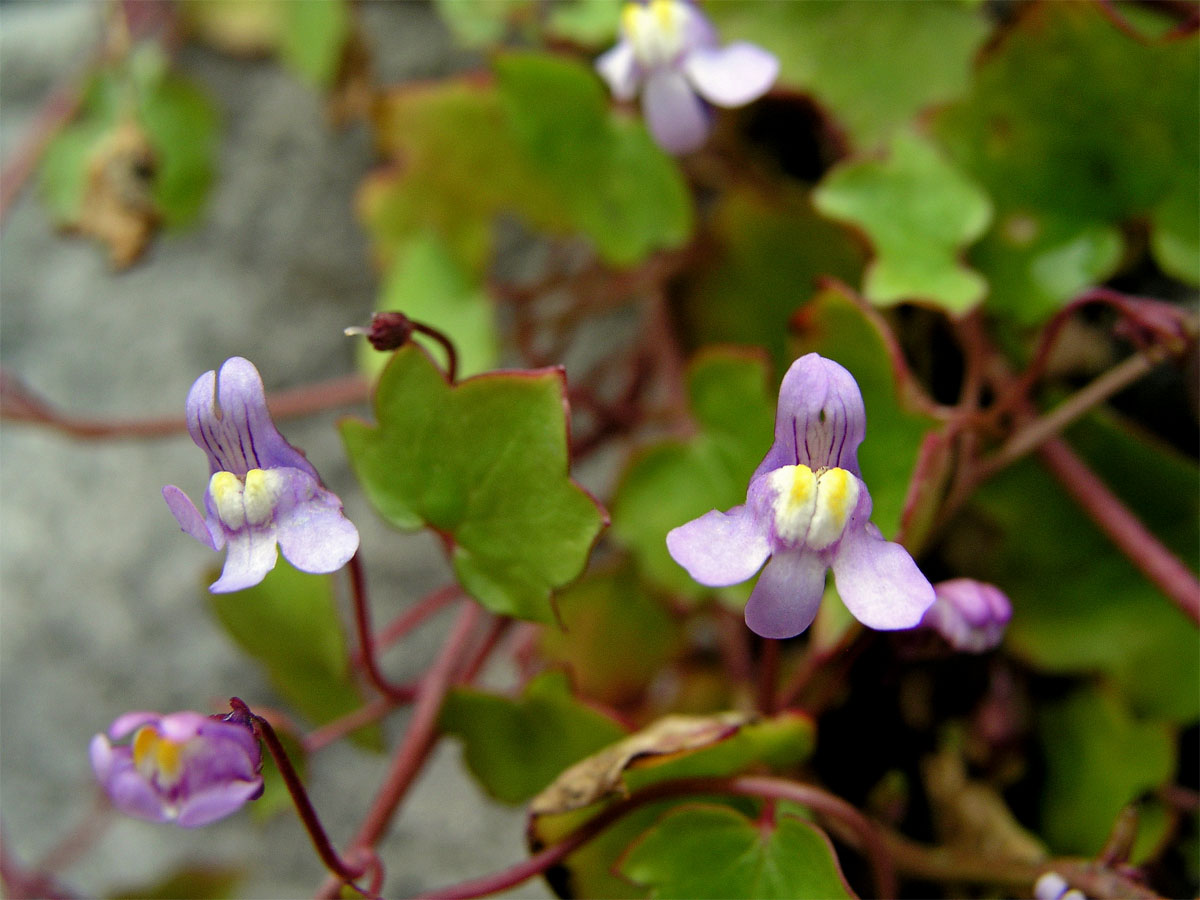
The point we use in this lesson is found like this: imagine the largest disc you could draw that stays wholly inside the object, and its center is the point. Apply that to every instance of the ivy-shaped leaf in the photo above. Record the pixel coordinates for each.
(706, 851)
(675, 481)
(556, 157)
(919, 212)
(517, 747)
(874, 65)
(427, 284)
(289, 623)
(484, 463)
(1069, 159)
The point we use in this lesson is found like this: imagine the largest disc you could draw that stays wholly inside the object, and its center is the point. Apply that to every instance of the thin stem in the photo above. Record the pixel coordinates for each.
(431, 603)
(20, 404)
(418, 739)
(447, 345)
(58, 109)
(1036, 432)
(768, 676)
(1123, 528)
(745, 785)
(362, 622)
(308, 814)
(330, 732)
(498, 627)
(815, 660)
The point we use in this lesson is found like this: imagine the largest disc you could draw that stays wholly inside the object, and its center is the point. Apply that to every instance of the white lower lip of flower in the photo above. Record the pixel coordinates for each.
(656, 30)
(812, 508)
(251, 500)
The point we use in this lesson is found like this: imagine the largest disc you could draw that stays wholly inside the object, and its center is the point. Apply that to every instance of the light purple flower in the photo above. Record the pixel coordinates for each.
(670, 50)
(808, 510)
(971, 615)
(183, 767)
(262, 491)
(1052, 886)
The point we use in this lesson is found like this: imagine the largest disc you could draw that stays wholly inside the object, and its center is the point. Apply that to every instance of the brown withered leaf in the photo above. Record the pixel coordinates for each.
(601, 774)
(972, 816)
(118, 203)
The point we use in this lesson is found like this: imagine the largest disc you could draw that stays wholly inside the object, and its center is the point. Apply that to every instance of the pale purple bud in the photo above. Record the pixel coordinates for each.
(183, 767)
(971, 615)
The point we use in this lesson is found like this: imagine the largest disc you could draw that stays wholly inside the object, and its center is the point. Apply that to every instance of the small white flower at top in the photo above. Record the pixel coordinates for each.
(669, 51)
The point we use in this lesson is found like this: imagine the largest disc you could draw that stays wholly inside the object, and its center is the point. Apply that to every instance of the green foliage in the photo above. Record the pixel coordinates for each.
(1073, 128)
(555, 156)
(1079, 606)
(289, 624)
(615, 636)
(517, 747)
(179, 123)
(1099, 757)
(590, 22)
(874, 65)
(479, 23)
(312, 38)
(198, 883)
(834, 326)
(771, 249)
(675, 481)
(919, 212)
(484, 463)
(699, 851)
(428, 285)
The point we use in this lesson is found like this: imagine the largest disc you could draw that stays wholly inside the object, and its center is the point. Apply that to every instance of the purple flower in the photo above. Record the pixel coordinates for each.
(808, 510)
(669, 50)
(1052, 886)
(183, 767)
(971, 615)
(262, 490)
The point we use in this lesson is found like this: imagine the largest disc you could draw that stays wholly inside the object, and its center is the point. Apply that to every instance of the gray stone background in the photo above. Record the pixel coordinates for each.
(100, 607)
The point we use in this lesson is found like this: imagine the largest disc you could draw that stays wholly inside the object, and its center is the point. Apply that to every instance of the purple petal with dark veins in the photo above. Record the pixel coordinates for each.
(227, 417)
(820, 420)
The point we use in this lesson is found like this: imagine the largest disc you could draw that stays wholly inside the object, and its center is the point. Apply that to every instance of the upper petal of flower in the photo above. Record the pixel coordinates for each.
(676, 117)
(879, 582)
(785, 600)
(227, 417)
(719, 549)
(619, 68)
(820, 421)
(731, 76)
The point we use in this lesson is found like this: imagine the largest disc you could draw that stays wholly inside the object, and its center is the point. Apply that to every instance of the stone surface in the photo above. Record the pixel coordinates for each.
(101, 601)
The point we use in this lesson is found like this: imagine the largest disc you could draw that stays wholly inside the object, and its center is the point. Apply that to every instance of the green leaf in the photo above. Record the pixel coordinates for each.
(517, 747)
(874, 65)
(289, 624)
(1105, 617)
(919, 212)
(617, 186)
(703, 851)
(426, 283)
(615, 636)
(312, 37)
(834, 326)
(675, 481)
(1098, 758)
(556, 157)
(485, 464)
(589, 22)
(480, 23)
(178, 118)
(770, 252)
(194, 882)
(1034, 261)
(1075, 155)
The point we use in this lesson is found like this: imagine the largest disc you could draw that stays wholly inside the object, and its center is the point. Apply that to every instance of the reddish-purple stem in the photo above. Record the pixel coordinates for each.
(1123, 528)
(398, 693)
(412, 617)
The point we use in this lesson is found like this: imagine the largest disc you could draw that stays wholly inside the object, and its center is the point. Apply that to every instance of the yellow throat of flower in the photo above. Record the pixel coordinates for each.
(250, 500)
(655, 29)
(812, 508)
(155, 755)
